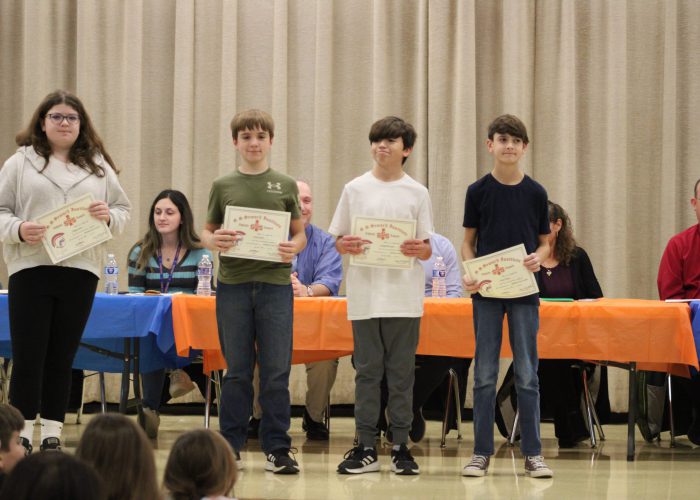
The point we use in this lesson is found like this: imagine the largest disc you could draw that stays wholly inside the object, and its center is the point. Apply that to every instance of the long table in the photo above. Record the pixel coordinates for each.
(635, 334)
(124, 334)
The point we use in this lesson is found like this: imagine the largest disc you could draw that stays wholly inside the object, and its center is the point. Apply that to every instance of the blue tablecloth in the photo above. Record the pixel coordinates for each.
(114, 318)
(695, 322)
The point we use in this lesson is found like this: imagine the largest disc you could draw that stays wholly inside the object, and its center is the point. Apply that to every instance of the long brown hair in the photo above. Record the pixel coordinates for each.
(86, 147)
(152, 240)
(565, 244)
(201, 463)
(120, 452)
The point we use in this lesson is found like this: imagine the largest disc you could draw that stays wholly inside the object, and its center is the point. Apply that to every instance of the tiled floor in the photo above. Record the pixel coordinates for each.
(658, 472)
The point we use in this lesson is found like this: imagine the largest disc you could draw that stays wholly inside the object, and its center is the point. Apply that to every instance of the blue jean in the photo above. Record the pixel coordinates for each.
(523, 323)
(248, 314)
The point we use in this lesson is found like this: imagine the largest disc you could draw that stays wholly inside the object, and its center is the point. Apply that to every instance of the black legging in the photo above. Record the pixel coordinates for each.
(49, 307)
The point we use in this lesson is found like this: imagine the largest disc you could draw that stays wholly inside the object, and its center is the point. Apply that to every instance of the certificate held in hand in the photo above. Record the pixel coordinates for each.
(381, 242)
(260, 232)
(71, 229)
(502, 275)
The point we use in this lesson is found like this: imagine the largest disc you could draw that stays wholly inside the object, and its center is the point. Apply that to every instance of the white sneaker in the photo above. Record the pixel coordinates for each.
(536, 467)
(180, 383)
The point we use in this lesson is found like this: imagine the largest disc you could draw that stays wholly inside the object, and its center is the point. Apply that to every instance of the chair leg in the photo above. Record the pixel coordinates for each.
(601, 434)
(103, 396)
(589, 405)
(207, 400)
(450, 388)
(79, 413)
(458, 402)
(670, 410)
(327, 415)
(516, 421)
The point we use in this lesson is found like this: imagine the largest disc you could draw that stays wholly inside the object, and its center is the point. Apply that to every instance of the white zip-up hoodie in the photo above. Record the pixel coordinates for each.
(27, 193)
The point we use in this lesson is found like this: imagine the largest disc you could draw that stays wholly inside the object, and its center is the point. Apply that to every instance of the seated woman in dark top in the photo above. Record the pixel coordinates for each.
(568, 273)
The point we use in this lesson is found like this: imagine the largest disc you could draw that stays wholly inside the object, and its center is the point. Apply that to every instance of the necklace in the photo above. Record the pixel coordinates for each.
(548, 271)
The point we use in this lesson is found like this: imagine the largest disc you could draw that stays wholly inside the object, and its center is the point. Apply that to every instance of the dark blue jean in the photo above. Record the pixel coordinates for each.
(248, 314)
(523, 323)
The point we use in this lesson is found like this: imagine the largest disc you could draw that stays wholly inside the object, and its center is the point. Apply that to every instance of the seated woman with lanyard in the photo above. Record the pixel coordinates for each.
(165, 260)
(568, 273)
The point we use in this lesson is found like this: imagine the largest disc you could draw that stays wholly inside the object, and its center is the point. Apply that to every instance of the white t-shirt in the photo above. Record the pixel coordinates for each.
(379, 292)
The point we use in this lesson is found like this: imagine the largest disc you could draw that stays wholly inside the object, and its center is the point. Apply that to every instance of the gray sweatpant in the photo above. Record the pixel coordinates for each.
(384, 345)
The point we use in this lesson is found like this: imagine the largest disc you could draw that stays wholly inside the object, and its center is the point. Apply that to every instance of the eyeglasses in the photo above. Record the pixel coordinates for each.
(57, 118)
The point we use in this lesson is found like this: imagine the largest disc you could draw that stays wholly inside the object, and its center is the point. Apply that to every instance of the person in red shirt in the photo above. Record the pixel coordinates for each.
(679, 278)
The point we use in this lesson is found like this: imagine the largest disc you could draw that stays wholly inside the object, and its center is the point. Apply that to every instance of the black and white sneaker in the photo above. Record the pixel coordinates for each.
(51, 444)
(359, 460)
(402, 462)
(279, 462)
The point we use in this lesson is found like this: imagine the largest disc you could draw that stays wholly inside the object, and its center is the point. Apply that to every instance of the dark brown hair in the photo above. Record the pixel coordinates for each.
(201, 463)
(120, 452)
(251, 119)
(152, 240)
(53, 476)
(11, 420)
(508, 124)
(565, 244)
(391, 127)
(87, 146)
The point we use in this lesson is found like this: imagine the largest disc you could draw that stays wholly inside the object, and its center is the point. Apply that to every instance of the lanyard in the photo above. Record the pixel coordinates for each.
(164, 286)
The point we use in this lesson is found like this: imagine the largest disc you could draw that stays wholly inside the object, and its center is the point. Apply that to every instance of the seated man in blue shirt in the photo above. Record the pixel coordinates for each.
(432, 370)
(317, 271)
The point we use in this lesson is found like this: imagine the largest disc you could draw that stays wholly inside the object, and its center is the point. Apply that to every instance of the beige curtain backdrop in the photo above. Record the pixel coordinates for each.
(609, 89)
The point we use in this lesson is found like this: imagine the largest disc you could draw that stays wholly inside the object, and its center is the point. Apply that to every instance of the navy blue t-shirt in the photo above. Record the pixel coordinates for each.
(505, 216)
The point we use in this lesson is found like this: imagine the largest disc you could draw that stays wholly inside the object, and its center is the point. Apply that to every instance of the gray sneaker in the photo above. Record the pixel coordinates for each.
(478, 466)
(535, 467)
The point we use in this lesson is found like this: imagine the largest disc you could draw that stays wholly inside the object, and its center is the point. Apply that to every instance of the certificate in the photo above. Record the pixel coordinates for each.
(71, 229)
(381, 242)
(260, 231)
(502, 274)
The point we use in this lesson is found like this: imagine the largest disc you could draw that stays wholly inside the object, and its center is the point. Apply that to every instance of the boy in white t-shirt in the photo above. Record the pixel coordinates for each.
(385, 305)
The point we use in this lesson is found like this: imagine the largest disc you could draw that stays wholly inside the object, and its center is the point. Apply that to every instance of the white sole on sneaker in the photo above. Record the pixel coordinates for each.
(285, 469)
(373, 467)
(474, 472)
(404, 472)
(539, 474)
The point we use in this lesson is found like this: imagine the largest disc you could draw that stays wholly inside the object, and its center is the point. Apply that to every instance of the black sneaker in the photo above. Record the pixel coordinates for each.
(253, 428)
(402, 462)
(280, 462)
(27, 446)
(315, 431)
(358, 461)
(51, 444)
(417, 426)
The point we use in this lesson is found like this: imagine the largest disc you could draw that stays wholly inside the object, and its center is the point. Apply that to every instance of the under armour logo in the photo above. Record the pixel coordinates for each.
(276, 185)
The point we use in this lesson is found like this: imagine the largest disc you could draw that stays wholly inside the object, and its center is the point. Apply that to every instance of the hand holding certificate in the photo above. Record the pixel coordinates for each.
(381, 241)
(502, 274)
(71, 229)
(259, 232)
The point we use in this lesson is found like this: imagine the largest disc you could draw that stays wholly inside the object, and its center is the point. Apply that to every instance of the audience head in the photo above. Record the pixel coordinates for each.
(11, 448)
(201, 464)
(562, 235)
(52, 475)
(695, 200)
(306, 201)
(120, 452)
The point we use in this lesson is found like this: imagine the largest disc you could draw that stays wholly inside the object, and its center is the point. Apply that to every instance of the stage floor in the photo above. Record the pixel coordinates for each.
(658, 472)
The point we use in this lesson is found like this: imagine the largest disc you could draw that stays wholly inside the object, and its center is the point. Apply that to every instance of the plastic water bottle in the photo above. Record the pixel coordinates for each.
(111, 275)
(439, 278)
(204, 270)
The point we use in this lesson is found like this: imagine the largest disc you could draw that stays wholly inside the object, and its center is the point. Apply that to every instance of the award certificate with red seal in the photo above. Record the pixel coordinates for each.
(502, 275)
(381, 242)
(71, 229)
(260, 232)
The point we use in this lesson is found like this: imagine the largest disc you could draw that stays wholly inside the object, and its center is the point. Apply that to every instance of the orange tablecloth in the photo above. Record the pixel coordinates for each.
(657, 335)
